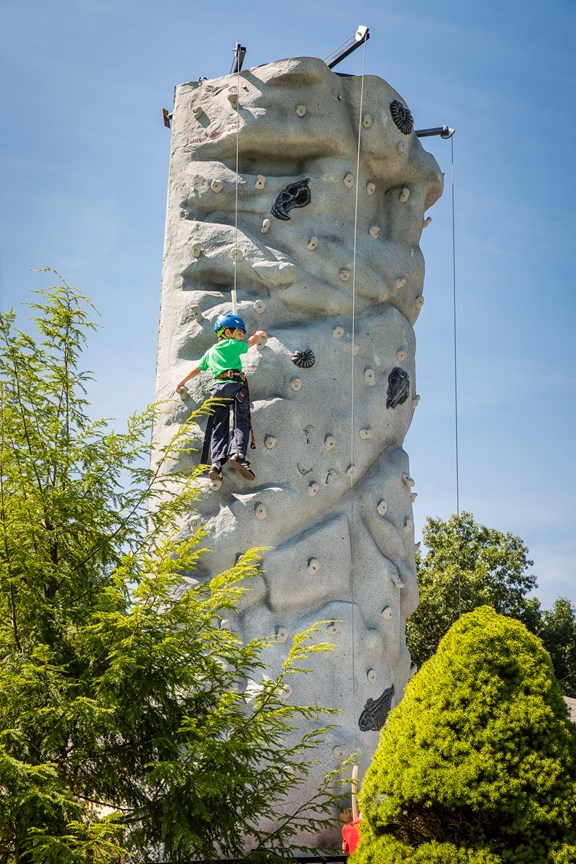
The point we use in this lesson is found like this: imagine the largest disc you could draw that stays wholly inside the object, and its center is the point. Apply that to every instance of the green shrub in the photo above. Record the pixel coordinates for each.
(564, 853)
(479, 756)
(387, 849)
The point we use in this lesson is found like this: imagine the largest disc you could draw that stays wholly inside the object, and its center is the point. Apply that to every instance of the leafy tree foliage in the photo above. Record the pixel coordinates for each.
(468, 565)
(558, 633)
(120, 694)
(477, 764)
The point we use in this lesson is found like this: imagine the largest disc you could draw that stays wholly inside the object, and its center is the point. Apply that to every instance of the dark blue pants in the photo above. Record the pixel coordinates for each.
(237, 404)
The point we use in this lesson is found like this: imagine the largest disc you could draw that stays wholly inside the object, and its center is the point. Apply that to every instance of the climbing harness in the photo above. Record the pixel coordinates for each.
(234, 375)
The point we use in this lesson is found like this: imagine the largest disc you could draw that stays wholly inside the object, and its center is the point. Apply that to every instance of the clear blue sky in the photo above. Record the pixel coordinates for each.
(84, 164)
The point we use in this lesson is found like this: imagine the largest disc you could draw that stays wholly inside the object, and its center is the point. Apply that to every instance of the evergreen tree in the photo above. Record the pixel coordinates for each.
(120, 693)
(477, 764)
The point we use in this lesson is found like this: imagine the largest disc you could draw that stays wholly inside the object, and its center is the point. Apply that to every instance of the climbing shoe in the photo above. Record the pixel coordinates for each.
(215, 472)
(242, 467)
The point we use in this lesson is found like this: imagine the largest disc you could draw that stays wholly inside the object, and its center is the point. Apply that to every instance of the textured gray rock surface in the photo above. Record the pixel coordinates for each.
(333, 494)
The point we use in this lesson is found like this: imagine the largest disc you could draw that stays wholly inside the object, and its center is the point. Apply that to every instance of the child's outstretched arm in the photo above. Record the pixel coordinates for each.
(192, 374)
(253, 340)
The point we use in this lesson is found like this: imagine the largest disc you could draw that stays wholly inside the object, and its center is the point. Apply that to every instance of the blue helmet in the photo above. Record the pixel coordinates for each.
(228, 320)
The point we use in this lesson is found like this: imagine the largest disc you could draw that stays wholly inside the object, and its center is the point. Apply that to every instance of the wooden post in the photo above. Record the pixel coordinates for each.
(355, 792)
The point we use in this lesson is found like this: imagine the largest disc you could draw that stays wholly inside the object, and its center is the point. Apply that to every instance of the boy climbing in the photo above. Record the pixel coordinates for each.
(224, 361)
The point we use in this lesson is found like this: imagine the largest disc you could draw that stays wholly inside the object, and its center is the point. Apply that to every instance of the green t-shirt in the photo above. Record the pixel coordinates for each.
(222, 356)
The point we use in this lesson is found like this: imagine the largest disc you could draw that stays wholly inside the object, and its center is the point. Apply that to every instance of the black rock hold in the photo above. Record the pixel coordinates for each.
(375, 712)
(398, 387)
(304, 359)
(294, 195)
(402, 117)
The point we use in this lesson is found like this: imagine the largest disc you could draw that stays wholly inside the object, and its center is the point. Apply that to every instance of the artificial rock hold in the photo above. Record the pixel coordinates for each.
(260, 510)
(402, 117)
(398, 387)
(329, 442)
(376, 712)
(313, 566)
(304, 359)
(294, 195)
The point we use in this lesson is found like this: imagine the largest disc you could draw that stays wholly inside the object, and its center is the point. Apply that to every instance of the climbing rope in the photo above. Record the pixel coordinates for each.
(455, 343)
(235, 252)
(352, 393)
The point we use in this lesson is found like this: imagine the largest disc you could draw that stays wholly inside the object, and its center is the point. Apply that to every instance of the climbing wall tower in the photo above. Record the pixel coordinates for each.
(308, 190)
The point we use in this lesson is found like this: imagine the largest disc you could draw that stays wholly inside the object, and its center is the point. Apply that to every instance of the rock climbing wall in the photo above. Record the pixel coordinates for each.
(324, 250)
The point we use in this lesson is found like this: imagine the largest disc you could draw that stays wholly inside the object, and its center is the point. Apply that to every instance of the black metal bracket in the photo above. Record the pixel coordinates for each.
(240, 53)
(442, 131)
(360, 37)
